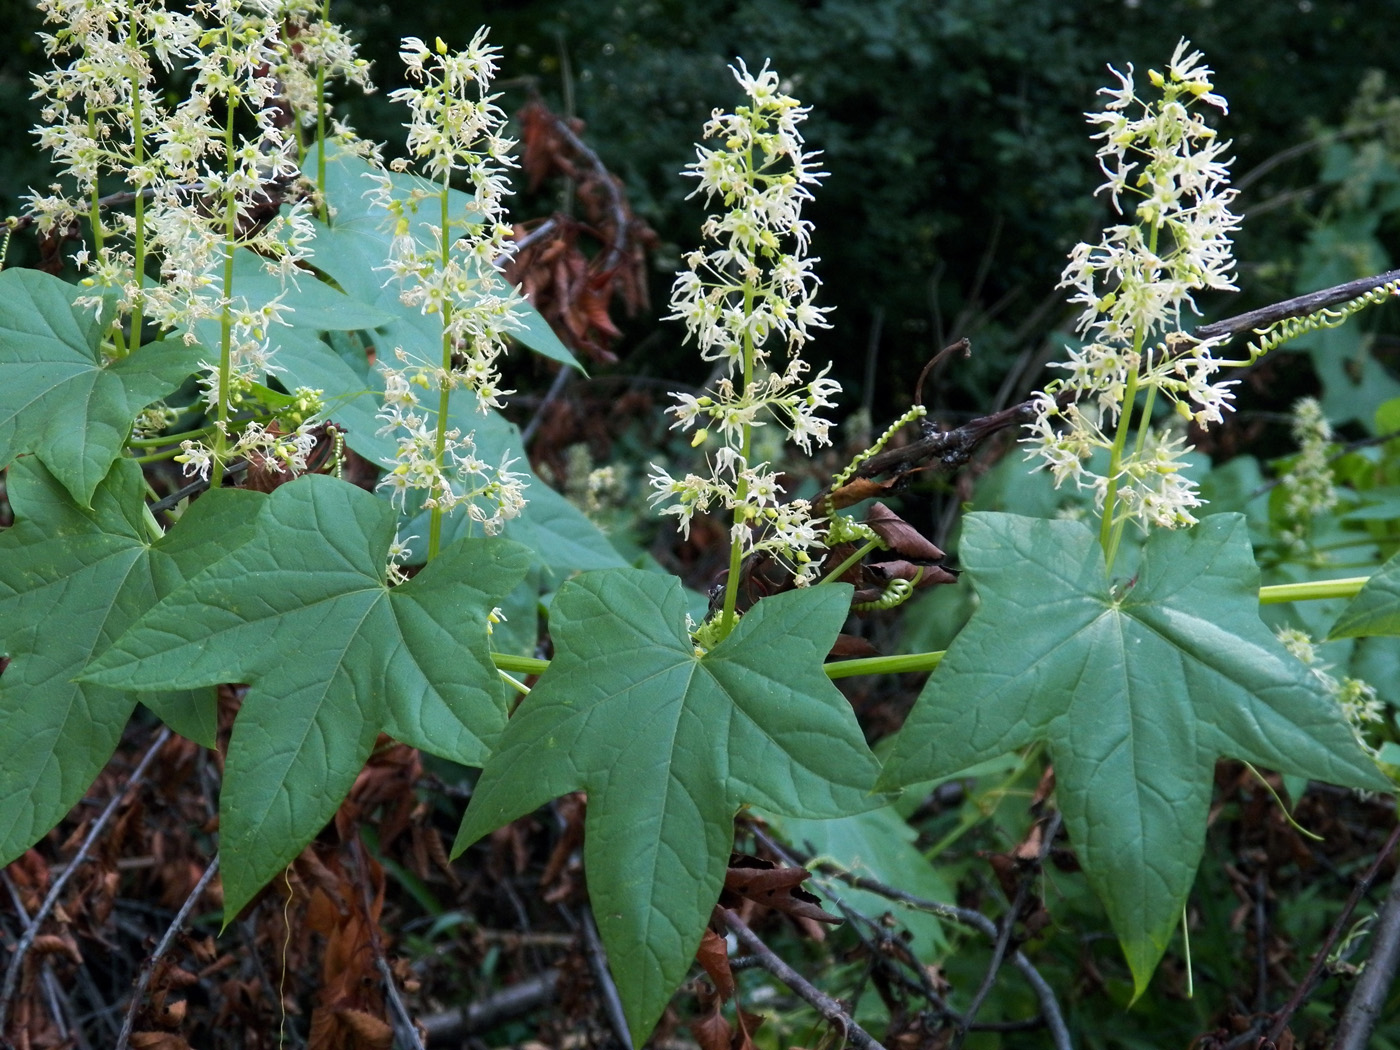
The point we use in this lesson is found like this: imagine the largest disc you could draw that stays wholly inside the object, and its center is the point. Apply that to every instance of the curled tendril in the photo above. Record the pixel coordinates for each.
(1290, 328)
(896, 592)
(916, 412)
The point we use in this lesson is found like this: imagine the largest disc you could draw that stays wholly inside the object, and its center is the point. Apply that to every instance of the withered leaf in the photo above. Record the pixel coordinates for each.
(851, 645)
(713, 957)
(902, 537)
(774, 887)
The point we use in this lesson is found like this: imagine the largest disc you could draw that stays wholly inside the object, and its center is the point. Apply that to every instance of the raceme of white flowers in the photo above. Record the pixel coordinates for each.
(751, 288)
(448, 268)
(197, 185)
(1307, 485)
(1358, 699)
(1166, 163)
(200, 190)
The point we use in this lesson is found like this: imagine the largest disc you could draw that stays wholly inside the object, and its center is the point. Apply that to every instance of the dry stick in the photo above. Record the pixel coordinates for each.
(12, 972)
(51, 990)
(1298, 306)
(1007, 926)
(615, 256)
(1261, 930)
(1045, 995)
(481, 1016)
(1364, 1007)
(824, 1004)
(1305, 986)
(404, 1027)
(148, 970)
(616, 203)
(953, 448)
(598, 963)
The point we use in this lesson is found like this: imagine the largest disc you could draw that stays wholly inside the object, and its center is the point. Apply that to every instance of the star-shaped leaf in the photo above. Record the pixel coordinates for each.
(669, 744)
(57, 397)
(1376, 608)
(1138, 688)
(72, 579)
(302, 611)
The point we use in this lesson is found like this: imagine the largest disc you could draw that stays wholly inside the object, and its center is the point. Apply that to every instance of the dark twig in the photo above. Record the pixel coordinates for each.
(485, 1014)
(1007, 926)
(1298, 306)
(1364, 1007)
(598, 964)
(963, 346)
(197, 485)
(828, 1007)
(921, 983)
(1051, 1016)
(26, 941)
(1261, 940)
(953, 448)
(51, 989)
(149, 968)
(556, 388)
(1305, 986)
(1049, 1005)
(404, 1028)
(617, 205)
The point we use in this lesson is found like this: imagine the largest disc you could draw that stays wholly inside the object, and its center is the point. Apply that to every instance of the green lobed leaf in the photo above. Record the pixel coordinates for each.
(58, 399)
(71, 580)
(562, 537)
(1376, 608)
(668, 746)
(354, 250)
(1137, 690)
(303, 613)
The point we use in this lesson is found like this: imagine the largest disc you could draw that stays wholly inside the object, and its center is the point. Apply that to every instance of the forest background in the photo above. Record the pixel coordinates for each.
(959, 180)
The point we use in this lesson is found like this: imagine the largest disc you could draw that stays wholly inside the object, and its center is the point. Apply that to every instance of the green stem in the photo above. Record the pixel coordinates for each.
(169, 439)
(519, 687)
(1108, 538)
(216, 475)
(836, 573)
(1311, 591)
(138, 143)
(1111, 530)
(321, 124)
(741, 490)
(518, 664)
(157, 457)
(983, 806)
(444, 384)
(905, 664)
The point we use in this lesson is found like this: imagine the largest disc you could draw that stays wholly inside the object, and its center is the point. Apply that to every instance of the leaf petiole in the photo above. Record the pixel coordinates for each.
(904, 664)
(1312, 590)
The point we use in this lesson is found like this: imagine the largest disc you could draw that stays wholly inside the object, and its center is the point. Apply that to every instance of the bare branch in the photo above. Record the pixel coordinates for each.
(1372, 990)
(1299, 306)
(1305, 986)
(26, 941)
(1007, 925)
(148, 970)
(824, 1004)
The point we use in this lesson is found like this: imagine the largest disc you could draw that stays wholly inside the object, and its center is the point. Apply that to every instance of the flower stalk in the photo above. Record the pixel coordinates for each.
(750, 287)
(1166, 163)
(448, 268)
